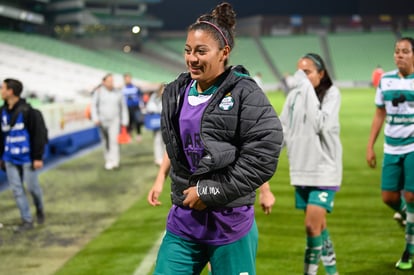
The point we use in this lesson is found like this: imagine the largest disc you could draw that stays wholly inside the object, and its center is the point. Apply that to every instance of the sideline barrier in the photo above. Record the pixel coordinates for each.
(71, 143)
(63, 147)
(152, 121)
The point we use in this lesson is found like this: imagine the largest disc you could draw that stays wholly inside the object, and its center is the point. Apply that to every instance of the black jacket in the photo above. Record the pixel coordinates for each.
(242, 143)
(34, 124)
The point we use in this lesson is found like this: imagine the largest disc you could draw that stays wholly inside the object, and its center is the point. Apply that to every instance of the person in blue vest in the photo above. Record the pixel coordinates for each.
(133, 97)
(23, 138)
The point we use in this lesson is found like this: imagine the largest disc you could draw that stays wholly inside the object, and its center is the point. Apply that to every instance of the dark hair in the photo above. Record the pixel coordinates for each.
(15, 85)
(221, 23)
(326, 81)
(106, 76)
(408, 39)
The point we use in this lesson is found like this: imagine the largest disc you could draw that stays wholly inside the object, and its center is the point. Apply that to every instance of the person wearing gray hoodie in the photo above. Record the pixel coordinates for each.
(310, 120)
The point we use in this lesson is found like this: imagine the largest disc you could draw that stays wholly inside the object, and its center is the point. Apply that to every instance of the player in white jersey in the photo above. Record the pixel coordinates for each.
(395, 105)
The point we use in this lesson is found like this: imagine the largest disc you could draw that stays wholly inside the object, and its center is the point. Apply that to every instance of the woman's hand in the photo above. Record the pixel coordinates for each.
(266, 198)
(156, 189)
(371, 158)
(192, 199)
(154, 194)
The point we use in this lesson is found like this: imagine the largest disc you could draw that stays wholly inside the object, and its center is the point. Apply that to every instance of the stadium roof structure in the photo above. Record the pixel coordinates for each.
(109, 15)
(21, 14)
(22, 11)
(77, 17)
(127, 20)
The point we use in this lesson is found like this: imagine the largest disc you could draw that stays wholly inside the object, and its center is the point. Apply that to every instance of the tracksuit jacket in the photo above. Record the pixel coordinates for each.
(311, 135)
(242, 138)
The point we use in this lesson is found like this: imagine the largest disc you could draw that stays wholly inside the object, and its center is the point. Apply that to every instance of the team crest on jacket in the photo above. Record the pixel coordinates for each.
(227, 103)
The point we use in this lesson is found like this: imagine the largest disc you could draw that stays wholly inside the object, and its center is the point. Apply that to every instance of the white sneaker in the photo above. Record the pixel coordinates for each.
(109, 166)
(397, 216)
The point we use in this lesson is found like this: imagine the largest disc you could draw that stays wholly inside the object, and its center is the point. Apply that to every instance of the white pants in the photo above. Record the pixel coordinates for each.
(110, 131)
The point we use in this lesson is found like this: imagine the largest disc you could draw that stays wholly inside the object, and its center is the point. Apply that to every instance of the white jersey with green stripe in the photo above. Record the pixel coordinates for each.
(396, 95)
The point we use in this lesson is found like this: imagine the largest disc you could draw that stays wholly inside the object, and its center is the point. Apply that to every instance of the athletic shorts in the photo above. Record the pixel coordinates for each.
(315, 196)
(178, 256)
(398, 172)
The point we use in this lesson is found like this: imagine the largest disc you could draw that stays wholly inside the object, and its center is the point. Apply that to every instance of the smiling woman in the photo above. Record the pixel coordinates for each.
(220, 150)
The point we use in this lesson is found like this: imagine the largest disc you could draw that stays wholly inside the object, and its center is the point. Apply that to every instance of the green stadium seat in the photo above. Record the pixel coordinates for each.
(285, 51)
(355, 55)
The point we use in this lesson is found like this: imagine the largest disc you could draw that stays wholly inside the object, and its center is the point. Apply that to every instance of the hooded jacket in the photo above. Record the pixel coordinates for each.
(242, 138)
(311, 132)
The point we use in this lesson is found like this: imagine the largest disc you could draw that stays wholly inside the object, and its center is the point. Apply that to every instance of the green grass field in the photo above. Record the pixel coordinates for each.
(99, 222)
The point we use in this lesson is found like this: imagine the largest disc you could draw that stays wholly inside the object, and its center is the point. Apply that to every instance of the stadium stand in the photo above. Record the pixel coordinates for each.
(355, 55)
(156, 48)
(142, 66)
(92, 58)
(70, 82)
(246, 52)
(351, 56)
(174, 44)
(407, 33)
(286, 50)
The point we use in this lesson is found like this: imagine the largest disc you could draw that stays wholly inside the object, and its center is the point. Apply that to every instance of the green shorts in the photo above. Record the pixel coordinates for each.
(178, 256)
(398, 172)
(315, 196)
